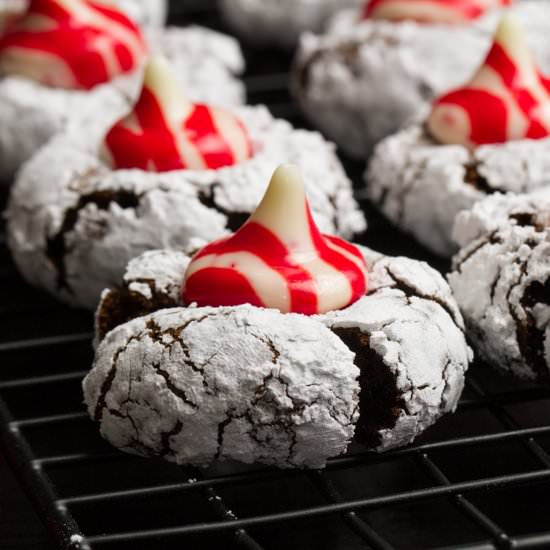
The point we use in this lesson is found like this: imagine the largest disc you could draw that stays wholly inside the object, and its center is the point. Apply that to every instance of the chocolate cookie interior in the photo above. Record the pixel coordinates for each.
(380, 402)
(121, 305)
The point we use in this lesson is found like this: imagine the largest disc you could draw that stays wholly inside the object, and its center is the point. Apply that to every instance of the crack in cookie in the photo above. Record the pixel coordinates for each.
(56, 246)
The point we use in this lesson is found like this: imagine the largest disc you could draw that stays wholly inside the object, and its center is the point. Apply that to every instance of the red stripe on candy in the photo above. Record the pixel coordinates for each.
(348, 247)
(154, 144)
(202, 132)
(155, 147)
(266, 246)
(338, 261)
(478, 105)
(78, 45)
(500, 62)
(203, 288)
(320, 272)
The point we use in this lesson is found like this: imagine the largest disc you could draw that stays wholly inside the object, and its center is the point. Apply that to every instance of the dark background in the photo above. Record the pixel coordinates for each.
(492, 407)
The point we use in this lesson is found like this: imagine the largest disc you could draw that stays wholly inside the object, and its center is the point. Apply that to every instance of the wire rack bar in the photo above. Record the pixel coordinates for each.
(45, 342)
(247, 477)
(78, 459)
(30, 308)
(50, 420)
(531, 394)
(542, 540)
(42, 380)
(223, 513)
(39, 489)
(359, 526)
(531, 542)
(346, 461)
(480, 546)
(440, 445)
(510, 423)
(482, 520)
(499, 482)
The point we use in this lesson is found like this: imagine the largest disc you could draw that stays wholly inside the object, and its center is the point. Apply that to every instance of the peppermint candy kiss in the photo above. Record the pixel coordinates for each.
(165, 131)
(506, 100)
(74, 44)
(278, 259)
(430, 11)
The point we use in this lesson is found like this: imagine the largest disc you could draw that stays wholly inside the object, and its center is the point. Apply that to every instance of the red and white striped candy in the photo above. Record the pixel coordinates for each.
(74, 44)
(430, 11)
(278, 259)
(165, 131)
(507, 99)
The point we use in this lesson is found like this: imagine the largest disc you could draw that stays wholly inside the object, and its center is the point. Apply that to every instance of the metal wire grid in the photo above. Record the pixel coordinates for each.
(488, 467)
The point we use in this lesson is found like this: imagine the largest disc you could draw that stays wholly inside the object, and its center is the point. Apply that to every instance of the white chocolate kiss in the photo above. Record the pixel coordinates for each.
(284, 212)
(451, 123)
(177, 108)
(52, 69)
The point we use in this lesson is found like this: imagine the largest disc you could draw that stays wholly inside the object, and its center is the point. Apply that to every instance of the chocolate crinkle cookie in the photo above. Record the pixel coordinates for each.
(501, 280)
(477, 140)
(280, 22)
(193, 384)
(421, 185)
(365, 78)
(32, 109)
(74, 223)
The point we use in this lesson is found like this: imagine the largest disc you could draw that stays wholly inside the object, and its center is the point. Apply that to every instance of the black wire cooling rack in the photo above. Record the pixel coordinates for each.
(479, 479)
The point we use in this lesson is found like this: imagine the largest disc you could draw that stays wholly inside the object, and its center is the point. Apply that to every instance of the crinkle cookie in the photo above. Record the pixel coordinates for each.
(192, 385)
(196, 383)
(75, 220)
(41, 97)
(363, 80)
(280, 22)
(477, 140)
(501, 280)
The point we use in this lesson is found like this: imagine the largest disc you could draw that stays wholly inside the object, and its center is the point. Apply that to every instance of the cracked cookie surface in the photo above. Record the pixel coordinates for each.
(74, 224)
(361, 81)
(197, 384)
(501, 280)
(421, 185)
(406, 335)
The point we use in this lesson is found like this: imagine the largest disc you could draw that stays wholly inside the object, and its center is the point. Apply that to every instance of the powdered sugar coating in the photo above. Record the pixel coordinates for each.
(490, 214)
(280, 22)
(74, 224)
(205, 62)
(152, 281)
(421, 186)
(199, 384)
(415, 330)
(501, 280)
(413, 326)
(164, 268)
(361, 81)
